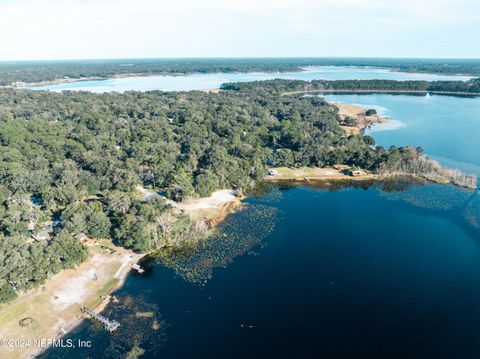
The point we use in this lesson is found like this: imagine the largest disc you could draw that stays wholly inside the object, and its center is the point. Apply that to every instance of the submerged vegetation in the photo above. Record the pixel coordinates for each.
(142, 328)
(410, 161)
(233, 238)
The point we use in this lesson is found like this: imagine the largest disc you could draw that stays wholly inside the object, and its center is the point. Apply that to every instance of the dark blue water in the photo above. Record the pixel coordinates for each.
(354, 273)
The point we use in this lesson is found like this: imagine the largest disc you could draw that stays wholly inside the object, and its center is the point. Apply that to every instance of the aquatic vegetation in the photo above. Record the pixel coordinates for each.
(471, 211)
(411, 161)
(433, 197)
(267, 191)
(458, 203)
(238, 235)
(141, 328)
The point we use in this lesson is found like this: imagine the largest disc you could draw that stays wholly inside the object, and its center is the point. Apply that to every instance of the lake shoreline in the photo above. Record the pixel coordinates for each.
(357, 114)
(28, 85)
(368, 176)
(54, 307)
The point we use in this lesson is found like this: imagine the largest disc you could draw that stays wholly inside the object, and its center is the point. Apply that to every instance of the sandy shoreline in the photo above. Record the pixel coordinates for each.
(358, 114)
(21, 85)
(54, 308)
(307, 174)
(340, 174)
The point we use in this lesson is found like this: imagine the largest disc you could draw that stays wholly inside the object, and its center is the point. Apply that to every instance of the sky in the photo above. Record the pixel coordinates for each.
(94, 29)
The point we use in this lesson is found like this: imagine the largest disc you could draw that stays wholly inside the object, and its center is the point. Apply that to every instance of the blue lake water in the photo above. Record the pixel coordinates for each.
(214, 80)
(373, 271)
(352, 273)
(446, 127)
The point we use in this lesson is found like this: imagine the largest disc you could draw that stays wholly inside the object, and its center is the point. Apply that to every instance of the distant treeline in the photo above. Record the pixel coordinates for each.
(285, 86)
(11, 72)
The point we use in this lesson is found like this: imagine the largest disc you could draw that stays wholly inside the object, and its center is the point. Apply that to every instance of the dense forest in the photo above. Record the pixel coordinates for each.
(70, 164)
(280, 86)
(12, 72)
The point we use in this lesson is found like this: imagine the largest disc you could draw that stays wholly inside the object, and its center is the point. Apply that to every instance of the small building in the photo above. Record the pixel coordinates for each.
(272, 172)
(356, 173)
(42, 235)
(82, 237)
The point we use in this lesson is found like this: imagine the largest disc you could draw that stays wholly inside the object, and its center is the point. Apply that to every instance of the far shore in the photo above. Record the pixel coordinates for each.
(21, 84)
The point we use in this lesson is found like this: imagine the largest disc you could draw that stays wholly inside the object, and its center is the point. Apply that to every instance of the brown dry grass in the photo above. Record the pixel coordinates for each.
(357, 112)
(56, 305)
(315, 173)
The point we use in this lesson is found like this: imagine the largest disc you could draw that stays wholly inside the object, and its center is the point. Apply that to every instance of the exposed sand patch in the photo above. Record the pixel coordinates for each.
(316, 173)
(358, 113)
(205, 208)
(74, 291)
(216, 199)
(211, 90)
(55, 307)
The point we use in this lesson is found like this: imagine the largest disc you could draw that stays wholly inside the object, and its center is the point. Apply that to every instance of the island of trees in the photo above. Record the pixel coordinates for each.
(72, 162)
(293, 87)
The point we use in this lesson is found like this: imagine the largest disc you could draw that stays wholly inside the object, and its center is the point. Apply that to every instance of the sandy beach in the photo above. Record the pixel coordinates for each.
(358, 114)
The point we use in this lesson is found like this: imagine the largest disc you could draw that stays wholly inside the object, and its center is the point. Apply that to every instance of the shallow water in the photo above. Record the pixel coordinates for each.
(214, 80)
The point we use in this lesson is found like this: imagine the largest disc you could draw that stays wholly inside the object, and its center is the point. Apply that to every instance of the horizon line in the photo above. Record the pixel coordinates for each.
(242, 58)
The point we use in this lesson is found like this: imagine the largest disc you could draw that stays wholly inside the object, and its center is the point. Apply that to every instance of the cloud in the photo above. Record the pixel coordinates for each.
(33, 29)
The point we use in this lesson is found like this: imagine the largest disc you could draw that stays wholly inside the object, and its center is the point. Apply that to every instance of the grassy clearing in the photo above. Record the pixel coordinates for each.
(56, 305)
(316, 173)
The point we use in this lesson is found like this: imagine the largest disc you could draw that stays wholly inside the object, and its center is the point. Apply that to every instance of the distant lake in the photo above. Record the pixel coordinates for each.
(214, 80)
(386, 270)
